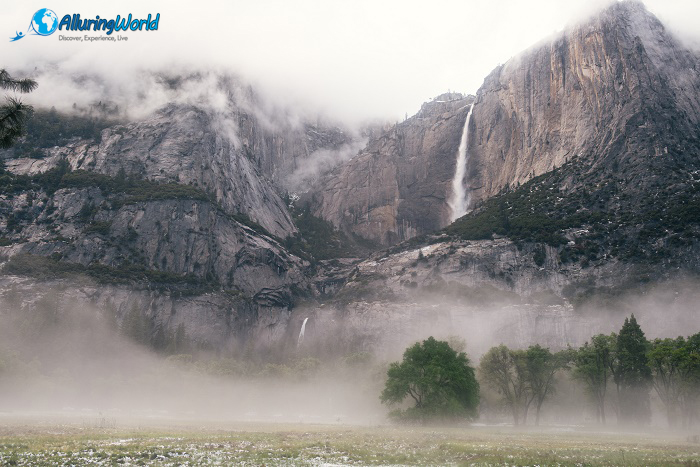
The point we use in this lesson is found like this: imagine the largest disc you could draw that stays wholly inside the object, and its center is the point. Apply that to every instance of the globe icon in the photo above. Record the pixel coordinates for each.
(44, 22)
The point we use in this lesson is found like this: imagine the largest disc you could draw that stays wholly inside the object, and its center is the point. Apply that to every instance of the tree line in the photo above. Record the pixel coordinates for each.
(442, 384)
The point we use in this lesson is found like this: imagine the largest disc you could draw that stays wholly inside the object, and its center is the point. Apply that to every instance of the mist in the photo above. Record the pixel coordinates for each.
(354, 62)
(485, 316)
(60, 355)
(479, 318)
(302, 178)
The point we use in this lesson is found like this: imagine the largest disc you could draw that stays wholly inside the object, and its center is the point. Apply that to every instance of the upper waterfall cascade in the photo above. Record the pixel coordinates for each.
(459, 201)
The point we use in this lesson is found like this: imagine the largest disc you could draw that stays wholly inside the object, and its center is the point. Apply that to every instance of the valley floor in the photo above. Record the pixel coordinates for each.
(105, 441)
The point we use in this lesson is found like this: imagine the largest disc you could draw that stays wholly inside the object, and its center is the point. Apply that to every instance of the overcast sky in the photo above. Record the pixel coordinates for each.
(355, 59)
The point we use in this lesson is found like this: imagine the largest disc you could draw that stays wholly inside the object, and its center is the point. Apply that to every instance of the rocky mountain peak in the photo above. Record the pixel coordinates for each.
(628, 14)
(607, 90)
(592, 91)
(447, 102)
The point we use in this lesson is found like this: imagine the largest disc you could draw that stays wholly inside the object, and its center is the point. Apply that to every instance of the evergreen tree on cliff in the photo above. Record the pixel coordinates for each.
(13, 114)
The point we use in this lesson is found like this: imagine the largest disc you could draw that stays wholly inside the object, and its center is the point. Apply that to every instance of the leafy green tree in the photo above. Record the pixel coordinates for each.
(666, 356)
(675, 368)
(542, 366)
(592, 366)
(505, 370)
(615, 371)
(438, 380)
(634, 373)
(689, 368)
(13, 114)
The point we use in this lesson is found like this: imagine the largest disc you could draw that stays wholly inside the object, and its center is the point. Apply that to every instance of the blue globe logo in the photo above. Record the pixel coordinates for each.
(44, 22)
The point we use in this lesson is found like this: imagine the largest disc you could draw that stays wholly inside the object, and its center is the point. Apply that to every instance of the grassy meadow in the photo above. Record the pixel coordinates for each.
(108, 442)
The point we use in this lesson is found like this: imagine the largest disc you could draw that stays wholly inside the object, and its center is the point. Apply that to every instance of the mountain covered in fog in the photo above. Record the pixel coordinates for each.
(183, 208)
(617, 94)
(583, 176)
(236, 221)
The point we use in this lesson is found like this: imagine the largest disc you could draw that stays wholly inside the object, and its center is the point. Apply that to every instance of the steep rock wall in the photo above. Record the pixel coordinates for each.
(398, 186)
(617, 89)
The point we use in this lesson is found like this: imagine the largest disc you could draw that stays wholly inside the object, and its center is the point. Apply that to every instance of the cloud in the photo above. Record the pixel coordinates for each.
(321, 161)
(352, 60)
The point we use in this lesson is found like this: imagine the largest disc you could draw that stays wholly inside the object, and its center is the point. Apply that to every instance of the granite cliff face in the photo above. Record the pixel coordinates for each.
(488, 292)
(178, 261)
(174, 213)
(182, 237)
(232, 156)
(398, 186)
(613, 104)
(617, 91)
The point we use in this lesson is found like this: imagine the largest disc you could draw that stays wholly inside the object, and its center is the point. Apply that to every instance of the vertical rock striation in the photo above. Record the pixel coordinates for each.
(398, 186)
(616, 89)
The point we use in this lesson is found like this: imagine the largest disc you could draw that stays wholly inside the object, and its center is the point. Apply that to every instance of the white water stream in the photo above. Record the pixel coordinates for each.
(300, 339)
(459, 201)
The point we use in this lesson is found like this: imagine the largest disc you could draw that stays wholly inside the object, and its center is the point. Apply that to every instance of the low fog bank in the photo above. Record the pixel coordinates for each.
(310, 142)
(66, 358)
(477, 319)
(60, 355)
(486, 316)
(216, 89)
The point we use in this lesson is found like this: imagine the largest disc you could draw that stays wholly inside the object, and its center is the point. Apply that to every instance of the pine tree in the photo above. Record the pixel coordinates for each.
(13, 114)
(634, 373)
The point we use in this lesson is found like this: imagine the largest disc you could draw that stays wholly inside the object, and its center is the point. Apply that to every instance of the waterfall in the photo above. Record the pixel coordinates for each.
(301, 333)
(459, 201)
